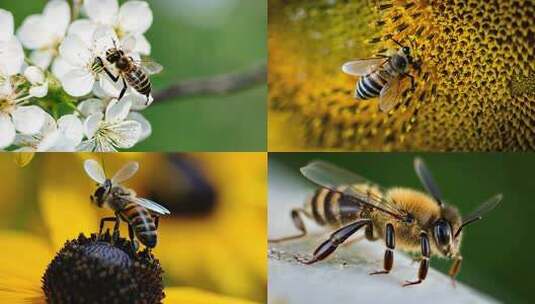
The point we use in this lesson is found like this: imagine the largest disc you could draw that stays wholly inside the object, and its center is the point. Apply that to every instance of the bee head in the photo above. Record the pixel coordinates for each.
(101, 193)
(114, 54)
(443, 231)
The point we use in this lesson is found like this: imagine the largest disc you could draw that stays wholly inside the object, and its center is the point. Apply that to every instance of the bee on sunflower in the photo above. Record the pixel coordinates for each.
(469, 92)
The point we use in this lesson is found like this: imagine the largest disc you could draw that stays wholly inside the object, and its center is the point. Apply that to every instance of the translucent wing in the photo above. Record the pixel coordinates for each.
(94, 171)
(390, 94)
(332, 177)
(483, 209)
(362, 67)
(152, 206)
(126, 172)
(151, 67)
(427, 180)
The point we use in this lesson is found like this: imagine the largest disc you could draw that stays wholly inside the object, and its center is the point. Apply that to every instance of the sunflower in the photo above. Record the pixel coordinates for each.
(475, 89)
(66, 222)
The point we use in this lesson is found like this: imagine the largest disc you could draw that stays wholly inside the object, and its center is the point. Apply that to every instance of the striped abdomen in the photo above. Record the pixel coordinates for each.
(139, 80)
(370, 86)
(141, 222)
(329, 207)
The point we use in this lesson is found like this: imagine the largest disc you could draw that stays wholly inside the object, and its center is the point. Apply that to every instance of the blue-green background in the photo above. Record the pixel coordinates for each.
(234, 122)
(498, 250)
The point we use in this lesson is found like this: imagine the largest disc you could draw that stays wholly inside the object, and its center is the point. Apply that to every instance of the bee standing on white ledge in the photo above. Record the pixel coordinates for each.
(409, 219)
(140, 214)
(382, 77)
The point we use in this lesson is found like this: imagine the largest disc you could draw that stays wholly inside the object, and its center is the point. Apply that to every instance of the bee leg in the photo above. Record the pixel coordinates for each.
(298, 223)
(114, 78)
(390, 240)
(156, 221)
(424, 262)
(455, 268)
(115, 235)
(102, 221)
(135, 245)
(413, 86)
(336, 238)
(123, 90)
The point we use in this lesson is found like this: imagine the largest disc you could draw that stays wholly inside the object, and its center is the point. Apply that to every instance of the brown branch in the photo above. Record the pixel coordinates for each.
(214, 85)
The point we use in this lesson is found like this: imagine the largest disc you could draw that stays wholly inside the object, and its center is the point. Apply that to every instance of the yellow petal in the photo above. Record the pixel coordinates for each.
(22, 159)
(197, 296)
(23, 260)
(64, 199)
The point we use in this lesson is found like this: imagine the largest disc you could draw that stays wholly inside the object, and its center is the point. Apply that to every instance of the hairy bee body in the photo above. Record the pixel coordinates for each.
(330, 208)
(142, 223)
(370, 85)
(132, 73)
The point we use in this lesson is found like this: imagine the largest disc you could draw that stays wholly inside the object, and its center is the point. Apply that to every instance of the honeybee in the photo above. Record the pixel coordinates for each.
(414, 221)
(132, 72)
(141, 214)
(382, 76)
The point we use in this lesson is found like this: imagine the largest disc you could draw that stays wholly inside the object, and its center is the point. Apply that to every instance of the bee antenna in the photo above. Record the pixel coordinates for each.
(400, 45)
(465, 224)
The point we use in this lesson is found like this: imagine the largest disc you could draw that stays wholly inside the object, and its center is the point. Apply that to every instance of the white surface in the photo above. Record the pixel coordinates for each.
(344, 276)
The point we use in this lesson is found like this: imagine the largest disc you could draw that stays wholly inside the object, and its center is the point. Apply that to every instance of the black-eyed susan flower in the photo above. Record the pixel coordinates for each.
(468, 93)
(58, 252)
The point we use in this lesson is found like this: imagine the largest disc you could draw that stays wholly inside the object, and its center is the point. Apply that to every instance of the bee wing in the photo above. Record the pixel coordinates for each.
(330, 176)
(94, 171)
(362, 67)
(126, 172)
(427, 180)
(152, 206)
(390, 94)
(477, 214)
(150, 66)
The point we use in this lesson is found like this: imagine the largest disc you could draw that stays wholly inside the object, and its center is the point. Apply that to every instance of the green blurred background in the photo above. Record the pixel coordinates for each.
(192, 39)
(497, 250)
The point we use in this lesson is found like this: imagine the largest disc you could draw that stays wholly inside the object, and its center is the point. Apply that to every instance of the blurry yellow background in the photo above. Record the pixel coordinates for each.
(219, 247)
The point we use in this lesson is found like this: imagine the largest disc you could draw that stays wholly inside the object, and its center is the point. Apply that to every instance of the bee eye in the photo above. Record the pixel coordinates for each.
(442, 232)
(406, 50)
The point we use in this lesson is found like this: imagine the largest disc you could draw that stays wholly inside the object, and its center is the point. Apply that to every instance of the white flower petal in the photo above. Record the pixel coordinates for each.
(91, 106)
(39, 91)
(11, 56)
(84, 29)
(117, 110)
(6, 25)
(28, 119)
(104, 38)
(34, 74)
(102, 11)
(92, 123)
(78, 82)
(42, 58)
(34, 33)
(75, 51)
(139, 101)
(142, 45)
(109, 87)
(49, 126)
(48, 142)
(125, 134)
(60, 67)
(146, 128)
(135, 17)
(71, 130)
(6, 88)
(87, 146)
(57, 15)
(7, 131)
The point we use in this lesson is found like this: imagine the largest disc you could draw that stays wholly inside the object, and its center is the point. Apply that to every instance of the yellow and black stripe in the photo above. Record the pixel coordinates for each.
(141, 222)
(139, 80)
(329, 207)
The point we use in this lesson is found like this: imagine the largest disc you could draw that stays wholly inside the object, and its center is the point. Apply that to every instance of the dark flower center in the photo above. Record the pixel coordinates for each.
(97, 270)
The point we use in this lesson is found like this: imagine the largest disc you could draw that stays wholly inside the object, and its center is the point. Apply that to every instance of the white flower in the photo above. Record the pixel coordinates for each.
(15, 116)
(36, 77)
(43, 33)
(133, 19)
(65, 135)
(76, 66)
(11, 53)
(106, 132)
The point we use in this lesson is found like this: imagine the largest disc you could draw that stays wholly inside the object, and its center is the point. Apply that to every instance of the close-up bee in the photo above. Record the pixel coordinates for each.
(382, 77)
(415, 222)
(134, 73)
(141, 214)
